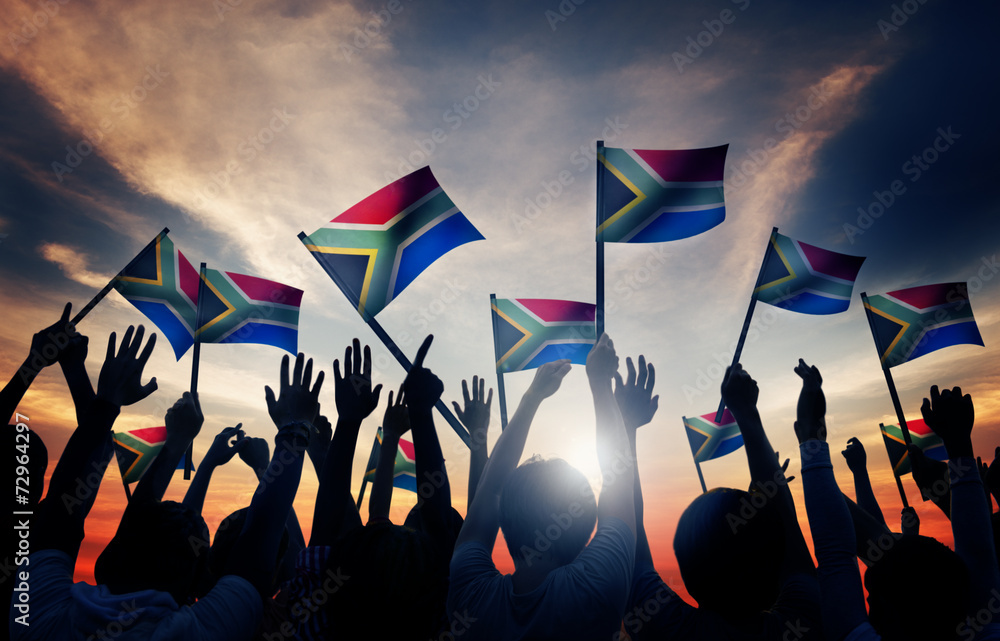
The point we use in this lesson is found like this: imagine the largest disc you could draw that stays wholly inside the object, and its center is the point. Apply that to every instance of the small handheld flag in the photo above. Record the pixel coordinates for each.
(136, 449)
(807, 279)
(910, 323)
(380, 245)
(921, 435)
(657, 195)
(236, 308)
(529, 332)
(163, 285)
(404, 474)
(710, 439)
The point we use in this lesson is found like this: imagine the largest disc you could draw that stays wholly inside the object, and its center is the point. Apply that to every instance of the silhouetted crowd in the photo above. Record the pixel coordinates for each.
(583, 565)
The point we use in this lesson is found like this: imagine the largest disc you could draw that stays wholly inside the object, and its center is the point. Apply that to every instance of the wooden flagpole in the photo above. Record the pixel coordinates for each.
(749, 316)
(195, 360)
(111, 283)
(600, 241)
(500, 388)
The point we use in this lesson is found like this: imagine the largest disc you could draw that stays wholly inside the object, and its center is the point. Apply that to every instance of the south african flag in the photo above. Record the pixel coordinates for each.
(529, 332)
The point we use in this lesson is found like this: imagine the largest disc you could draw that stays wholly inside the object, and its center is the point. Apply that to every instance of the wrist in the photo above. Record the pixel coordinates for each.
(959, 447)
(103, 412)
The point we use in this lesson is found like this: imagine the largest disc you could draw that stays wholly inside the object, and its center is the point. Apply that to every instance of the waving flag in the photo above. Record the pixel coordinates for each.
(655, 195)
(529, 332)
(163, 285)
(136, 449)
(236, 308)
(807, 279)
(921, 435)
(709, 439)
(404, 474)
(909, 323)
(377, 247)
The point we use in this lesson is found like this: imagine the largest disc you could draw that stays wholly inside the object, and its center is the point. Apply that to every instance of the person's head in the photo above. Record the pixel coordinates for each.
(923, 568)
(547, 510)
(729, 546)
(380, 564)
(226, 535)
(159, 546)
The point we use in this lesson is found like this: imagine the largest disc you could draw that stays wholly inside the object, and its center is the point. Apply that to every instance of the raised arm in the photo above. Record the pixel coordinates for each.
(224, 447)
(335, 511)
(931, 477)
(843, 605)
(637, 406)
(423, 390)
(857, 461)
(740, 393)
(617, 498)
(294, 409)
(951, 415)
(475, 416)
(395, 423)
(60, 517)
(48, 346)
(183, 422)
(483, 519)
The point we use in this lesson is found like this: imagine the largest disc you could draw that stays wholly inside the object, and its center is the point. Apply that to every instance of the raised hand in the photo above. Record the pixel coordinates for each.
(909, 521)
(226, 445)
(951, 416)
(184, 419)
(739, 390)
(857, 460)
(396, 420)
(635, 395)
(422, 387)
(602, 361)
(355, 397)
(476, 414)
(50, 345)
(811, 410)
(255, 453)
(548, 377)
(296, 403)
(120, 381)
(319, 440)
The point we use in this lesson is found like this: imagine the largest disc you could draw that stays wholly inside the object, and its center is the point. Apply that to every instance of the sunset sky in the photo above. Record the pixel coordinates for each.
(238, 125)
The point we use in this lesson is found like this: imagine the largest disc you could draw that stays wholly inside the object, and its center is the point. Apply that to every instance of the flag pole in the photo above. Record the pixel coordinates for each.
(888, 376)
(600, 241)
(749, 317)
(391, 346)
(195, 360)
(899, 483)
(364, 478)
(111, 283)
(500, 388)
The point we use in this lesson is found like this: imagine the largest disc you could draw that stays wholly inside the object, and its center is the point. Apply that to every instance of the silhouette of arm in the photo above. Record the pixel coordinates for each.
(475, 416)
(294, 410)
(335, 511)
(932, 478)
(843, 605)
(483, 518)
(951, 415)
(423, 389)
(740, 392)
(637, 406)
(183, 422)
(222, 451)
(48, 346)
(60, 517)
(395, 423)
(857, 461)
(617, 498)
